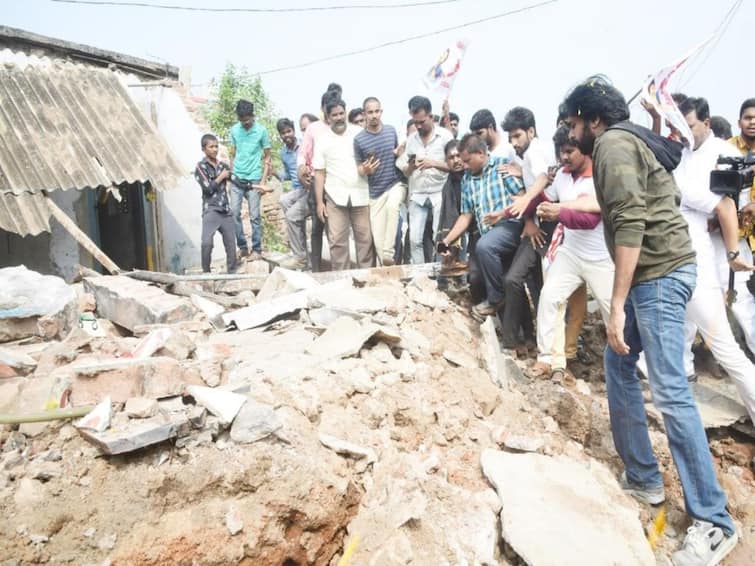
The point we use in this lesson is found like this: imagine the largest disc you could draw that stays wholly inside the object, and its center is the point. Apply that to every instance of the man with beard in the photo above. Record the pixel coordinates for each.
(655, 273)
(374, 150)
(426, 170)
(483, 124)
(345, 199)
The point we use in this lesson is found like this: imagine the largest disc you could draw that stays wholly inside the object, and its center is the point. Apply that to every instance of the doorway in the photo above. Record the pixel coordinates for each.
(121, 225)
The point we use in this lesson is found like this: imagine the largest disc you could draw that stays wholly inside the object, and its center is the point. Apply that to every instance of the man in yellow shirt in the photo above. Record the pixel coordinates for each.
(745, 142)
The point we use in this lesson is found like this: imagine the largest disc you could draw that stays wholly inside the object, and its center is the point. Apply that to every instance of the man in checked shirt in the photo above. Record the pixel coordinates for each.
(485, 194)
(212, 175)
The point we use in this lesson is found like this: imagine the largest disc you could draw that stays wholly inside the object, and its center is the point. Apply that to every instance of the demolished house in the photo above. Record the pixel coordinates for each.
(103, 139)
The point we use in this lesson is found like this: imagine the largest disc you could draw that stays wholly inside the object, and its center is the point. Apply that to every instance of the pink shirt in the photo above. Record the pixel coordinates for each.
(307, 146)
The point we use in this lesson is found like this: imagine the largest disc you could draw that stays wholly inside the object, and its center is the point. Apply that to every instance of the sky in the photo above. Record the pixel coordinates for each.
(530, 59)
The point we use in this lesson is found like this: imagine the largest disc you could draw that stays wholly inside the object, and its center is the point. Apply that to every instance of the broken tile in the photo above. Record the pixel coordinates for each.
(254, 422)
(141, 407)
(262, 313)
(223, 404)
(137, 434)
(283, 282)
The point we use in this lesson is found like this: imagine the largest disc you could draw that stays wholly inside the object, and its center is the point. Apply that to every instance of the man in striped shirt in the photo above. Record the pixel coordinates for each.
(485, 194)
(374, 153)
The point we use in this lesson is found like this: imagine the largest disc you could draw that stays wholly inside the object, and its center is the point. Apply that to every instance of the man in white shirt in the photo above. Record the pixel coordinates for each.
(345, 200)
(483, 124)
(582, 257)
(706, 311)
(427, 171)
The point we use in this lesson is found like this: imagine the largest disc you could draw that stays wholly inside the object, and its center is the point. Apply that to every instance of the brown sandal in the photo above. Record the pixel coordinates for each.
(563, 377)
(538, 370)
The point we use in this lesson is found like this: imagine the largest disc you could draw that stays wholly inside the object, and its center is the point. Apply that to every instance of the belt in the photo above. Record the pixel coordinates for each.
(243, 183)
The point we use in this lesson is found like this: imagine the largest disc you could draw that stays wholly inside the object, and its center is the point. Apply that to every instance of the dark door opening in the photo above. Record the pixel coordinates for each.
(122, 226)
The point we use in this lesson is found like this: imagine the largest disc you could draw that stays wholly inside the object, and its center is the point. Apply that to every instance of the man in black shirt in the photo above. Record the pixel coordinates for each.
(212, 176)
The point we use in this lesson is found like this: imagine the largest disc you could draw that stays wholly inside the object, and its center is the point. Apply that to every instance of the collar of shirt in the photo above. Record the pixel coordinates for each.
(740, 144)
(292, 150)
(586, 172)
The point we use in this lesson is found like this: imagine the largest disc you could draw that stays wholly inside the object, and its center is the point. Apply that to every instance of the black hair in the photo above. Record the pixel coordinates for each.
(310, 117)
(409, 123)
(562, 114)
(678, 98)
(333, 103)
(207, 138)
(472, 143)
(453, 144)
(698, 105)
(329, 95)
(244, 108)
(482, 119)
(595, 98)
(353, 113)
(417, 103)
(335, 87)
(721, 127)
(518, 118)
(368, 100)
(561, 138)
(749, 103)
(453, 116)
(284, 124)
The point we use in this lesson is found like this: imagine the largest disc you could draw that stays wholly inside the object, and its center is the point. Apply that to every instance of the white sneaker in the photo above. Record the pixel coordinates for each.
(704, 545)
(651, 495)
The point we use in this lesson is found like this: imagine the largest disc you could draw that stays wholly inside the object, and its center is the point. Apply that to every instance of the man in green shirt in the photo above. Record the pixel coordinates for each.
(655, 275)
(250, 164)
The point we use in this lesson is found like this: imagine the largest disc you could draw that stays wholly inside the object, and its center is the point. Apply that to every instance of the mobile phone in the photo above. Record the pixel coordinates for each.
(442, 248)
(371, 155)
(411, 156)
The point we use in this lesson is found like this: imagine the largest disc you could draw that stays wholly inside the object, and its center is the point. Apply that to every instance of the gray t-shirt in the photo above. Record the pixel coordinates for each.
(381, 144)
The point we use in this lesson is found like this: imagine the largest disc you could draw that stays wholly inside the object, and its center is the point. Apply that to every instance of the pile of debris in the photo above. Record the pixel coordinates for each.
(304, 419)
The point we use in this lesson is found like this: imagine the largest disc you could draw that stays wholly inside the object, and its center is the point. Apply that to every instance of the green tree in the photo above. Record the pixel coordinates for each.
(236, 83)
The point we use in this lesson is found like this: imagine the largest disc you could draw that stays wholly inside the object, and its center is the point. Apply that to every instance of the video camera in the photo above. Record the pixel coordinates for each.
(739, 175)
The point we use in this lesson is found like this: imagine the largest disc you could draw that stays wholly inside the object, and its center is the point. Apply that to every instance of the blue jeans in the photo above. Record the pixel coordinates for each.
(493, 251)
(417, 220)
(655, 312)
(253, 200)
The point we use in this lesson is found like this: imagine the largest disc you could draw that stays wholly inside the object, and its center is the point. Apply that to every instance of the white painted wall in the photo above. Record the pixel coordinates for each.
(179, 207)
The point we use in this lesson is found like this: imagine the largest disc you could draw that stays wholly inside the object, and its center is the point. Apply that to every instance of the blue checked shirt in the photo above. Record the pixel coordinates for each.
(488, 192)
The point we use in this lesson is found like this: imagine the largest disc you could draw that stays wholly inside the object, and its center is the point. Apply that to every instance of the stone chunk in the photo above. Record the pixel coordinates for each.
(579, 511)
(130, 303)
(283, 282)
(18, 362)
(461, 359)
(254, 422)
(262, 313)
(233, 521)
(141, 407)
(345, 448)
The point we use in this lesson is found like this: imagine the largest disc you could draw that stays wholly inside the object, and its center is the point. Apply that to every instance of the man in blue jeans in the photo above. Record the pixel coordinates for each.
(655, 277)
(250, 163)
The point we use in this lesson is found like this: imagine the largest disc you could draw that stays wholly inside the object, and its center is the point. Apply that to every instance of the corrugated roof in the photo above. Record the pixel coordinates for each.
(24, 214)
(69, 126)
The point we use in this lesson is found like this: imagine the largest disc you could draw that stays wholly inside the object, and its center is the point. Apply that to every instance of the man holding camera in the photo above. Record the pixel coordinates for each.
(706, 311)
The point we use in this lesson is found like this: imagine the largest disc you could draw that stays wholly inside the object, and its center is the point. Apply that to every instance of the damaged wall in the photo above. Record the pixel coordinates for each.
(179, 209)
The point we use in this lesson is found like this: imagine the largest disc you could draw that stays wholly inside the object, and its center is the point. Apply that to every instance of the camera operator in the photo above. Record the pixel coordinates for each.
(706, 310)
(743, 307)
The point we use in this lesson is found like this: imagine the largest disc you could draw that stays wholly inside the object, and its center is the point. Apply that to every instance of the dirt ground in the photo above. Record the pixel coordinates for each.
(426, 419)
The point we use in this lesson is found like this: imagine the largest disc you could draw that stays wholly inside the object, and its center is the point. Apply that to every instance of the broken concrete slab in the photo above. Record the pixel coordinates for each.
(325, 316)
(210, 308)
(603, 523)
(130, 303)
(98, 419)
(491, 354)
(262, 313)
(461, 359)
(26, 297)
(254, 422)
(137, 434)
(223, 404)
(283, 282)
(345, 448)
(716, 408)
(342, 294)
(346, 336)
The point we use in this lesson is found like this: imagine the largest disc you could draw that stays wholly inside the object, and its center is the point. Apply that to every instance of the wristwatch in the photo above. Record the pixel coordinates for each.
(731, 256)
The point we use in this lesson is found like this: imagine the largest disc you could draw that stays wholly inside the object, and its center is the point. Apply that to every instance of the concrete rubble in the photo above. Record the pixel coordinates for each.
(362, 410)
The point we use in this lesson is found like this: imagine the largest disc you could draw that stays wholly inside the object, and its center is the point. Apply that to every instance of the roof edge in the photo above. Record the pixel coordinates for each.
(14, 38)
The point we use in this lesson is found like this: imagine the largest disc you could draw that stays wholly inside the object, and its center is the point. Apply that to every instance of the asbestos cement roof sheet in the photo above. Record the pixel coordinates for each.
(70, 126)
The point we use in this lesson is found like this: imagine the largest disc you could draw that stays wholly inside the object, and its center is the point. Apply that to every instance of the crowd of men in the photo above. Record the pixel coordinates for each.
(608, 206)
